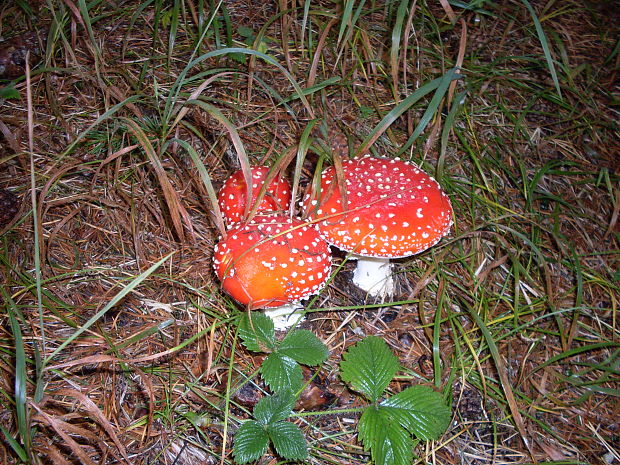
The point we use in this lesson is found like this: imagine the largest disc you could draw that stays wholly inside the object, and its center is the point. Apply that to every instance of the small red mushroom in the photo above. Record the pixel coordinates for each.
(233, 195)
(272, 261)
(393, 210)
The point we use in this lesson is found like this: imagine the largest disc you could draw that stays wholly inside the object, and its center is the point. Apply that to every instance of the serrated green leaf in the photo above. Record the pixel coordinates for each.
(304, 347)
(271, 409)
(369, 366)
(288, 440)
(251, 442)
(281, 373)
(388, 442)
(421, 410)
(257, 335)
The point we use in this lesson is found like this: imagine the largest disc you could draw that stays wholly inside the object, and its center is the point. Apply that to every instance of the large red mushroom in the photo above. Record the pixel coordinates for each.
(271, 262)
(393, 209)
(232, 197)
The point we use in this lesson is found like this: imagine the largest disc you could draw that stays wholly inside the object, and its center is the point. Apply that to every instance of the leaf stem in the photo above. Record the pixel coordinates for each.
(331, 412)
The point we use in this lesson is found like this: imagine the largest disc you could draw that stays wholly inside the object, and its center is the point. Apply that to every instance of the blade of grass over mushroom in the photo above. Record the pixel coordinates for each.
(277, 167)
(115, 300)
(545, 46)
(305, 140)
(398, 110)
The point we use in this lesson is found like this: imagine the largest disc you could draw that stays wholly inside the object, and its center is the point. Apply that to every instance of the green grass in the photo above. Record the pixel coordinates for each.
(135, 114)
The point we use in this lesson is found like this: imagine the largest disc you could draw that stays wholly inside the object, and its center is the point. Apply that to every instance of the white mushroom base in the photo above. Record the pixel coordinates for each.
(286, 316)
(374, 275)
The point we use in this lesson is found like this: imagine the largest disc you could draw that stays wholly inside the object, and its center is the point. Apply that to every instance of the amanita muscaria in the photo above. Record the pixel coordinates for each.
(393, 210)
(271, 262)
(232, 197)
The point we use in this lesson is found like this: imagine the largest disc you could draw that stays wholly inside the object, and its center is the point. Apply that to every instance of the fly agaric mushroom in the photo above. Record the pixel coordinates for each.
(233, 195)
(393, 210)
(272, 262)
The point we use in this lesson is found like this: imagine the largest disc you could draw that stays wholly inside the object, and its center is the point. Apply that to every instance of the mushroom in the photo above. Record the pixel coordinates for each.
(273, 262)
(393, 210)
(233, 194)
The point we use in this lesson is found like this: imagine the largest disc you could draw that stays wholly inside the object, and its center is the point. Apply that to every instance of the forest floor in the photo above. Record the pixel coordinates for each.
(117, 343)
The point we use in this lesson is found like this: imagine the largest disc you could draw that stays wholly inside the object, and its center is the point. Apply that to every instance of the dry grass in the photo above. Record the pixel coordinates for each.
(534, 253)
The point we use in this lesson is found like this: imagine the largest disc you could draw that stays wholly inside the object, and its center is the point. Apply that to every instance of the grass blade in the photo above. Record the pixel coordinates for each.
(397, 31)
(545, 46)
(176, 208)
(21, 374)
(206, 180)
(115, 300)
(505, 382)
(432, 108)
(16, 446)
(398, 110)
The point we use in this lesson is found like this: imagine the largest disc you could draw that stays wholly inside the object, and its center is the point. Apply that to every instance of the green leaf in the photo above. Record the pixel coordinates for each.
(288, 440)
(281, 372)
(421, 410)
(369, 366)
(388, 442)
(239, 58)
(245, 31)
(9, 92)
(304, 347)
(271, 409)
(251, 442)
(257, 335)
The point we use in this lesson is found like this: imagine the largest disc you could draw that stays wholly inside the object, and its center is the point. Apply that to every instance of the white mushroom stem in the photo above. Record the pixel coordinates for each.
(374, 275)
(286, 316)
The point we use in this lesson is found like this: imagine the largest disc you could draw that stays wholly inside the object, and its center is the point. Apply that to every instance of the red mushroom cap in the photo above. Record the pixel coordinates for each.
(271, 261)
(233, 195)
(393, 208)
